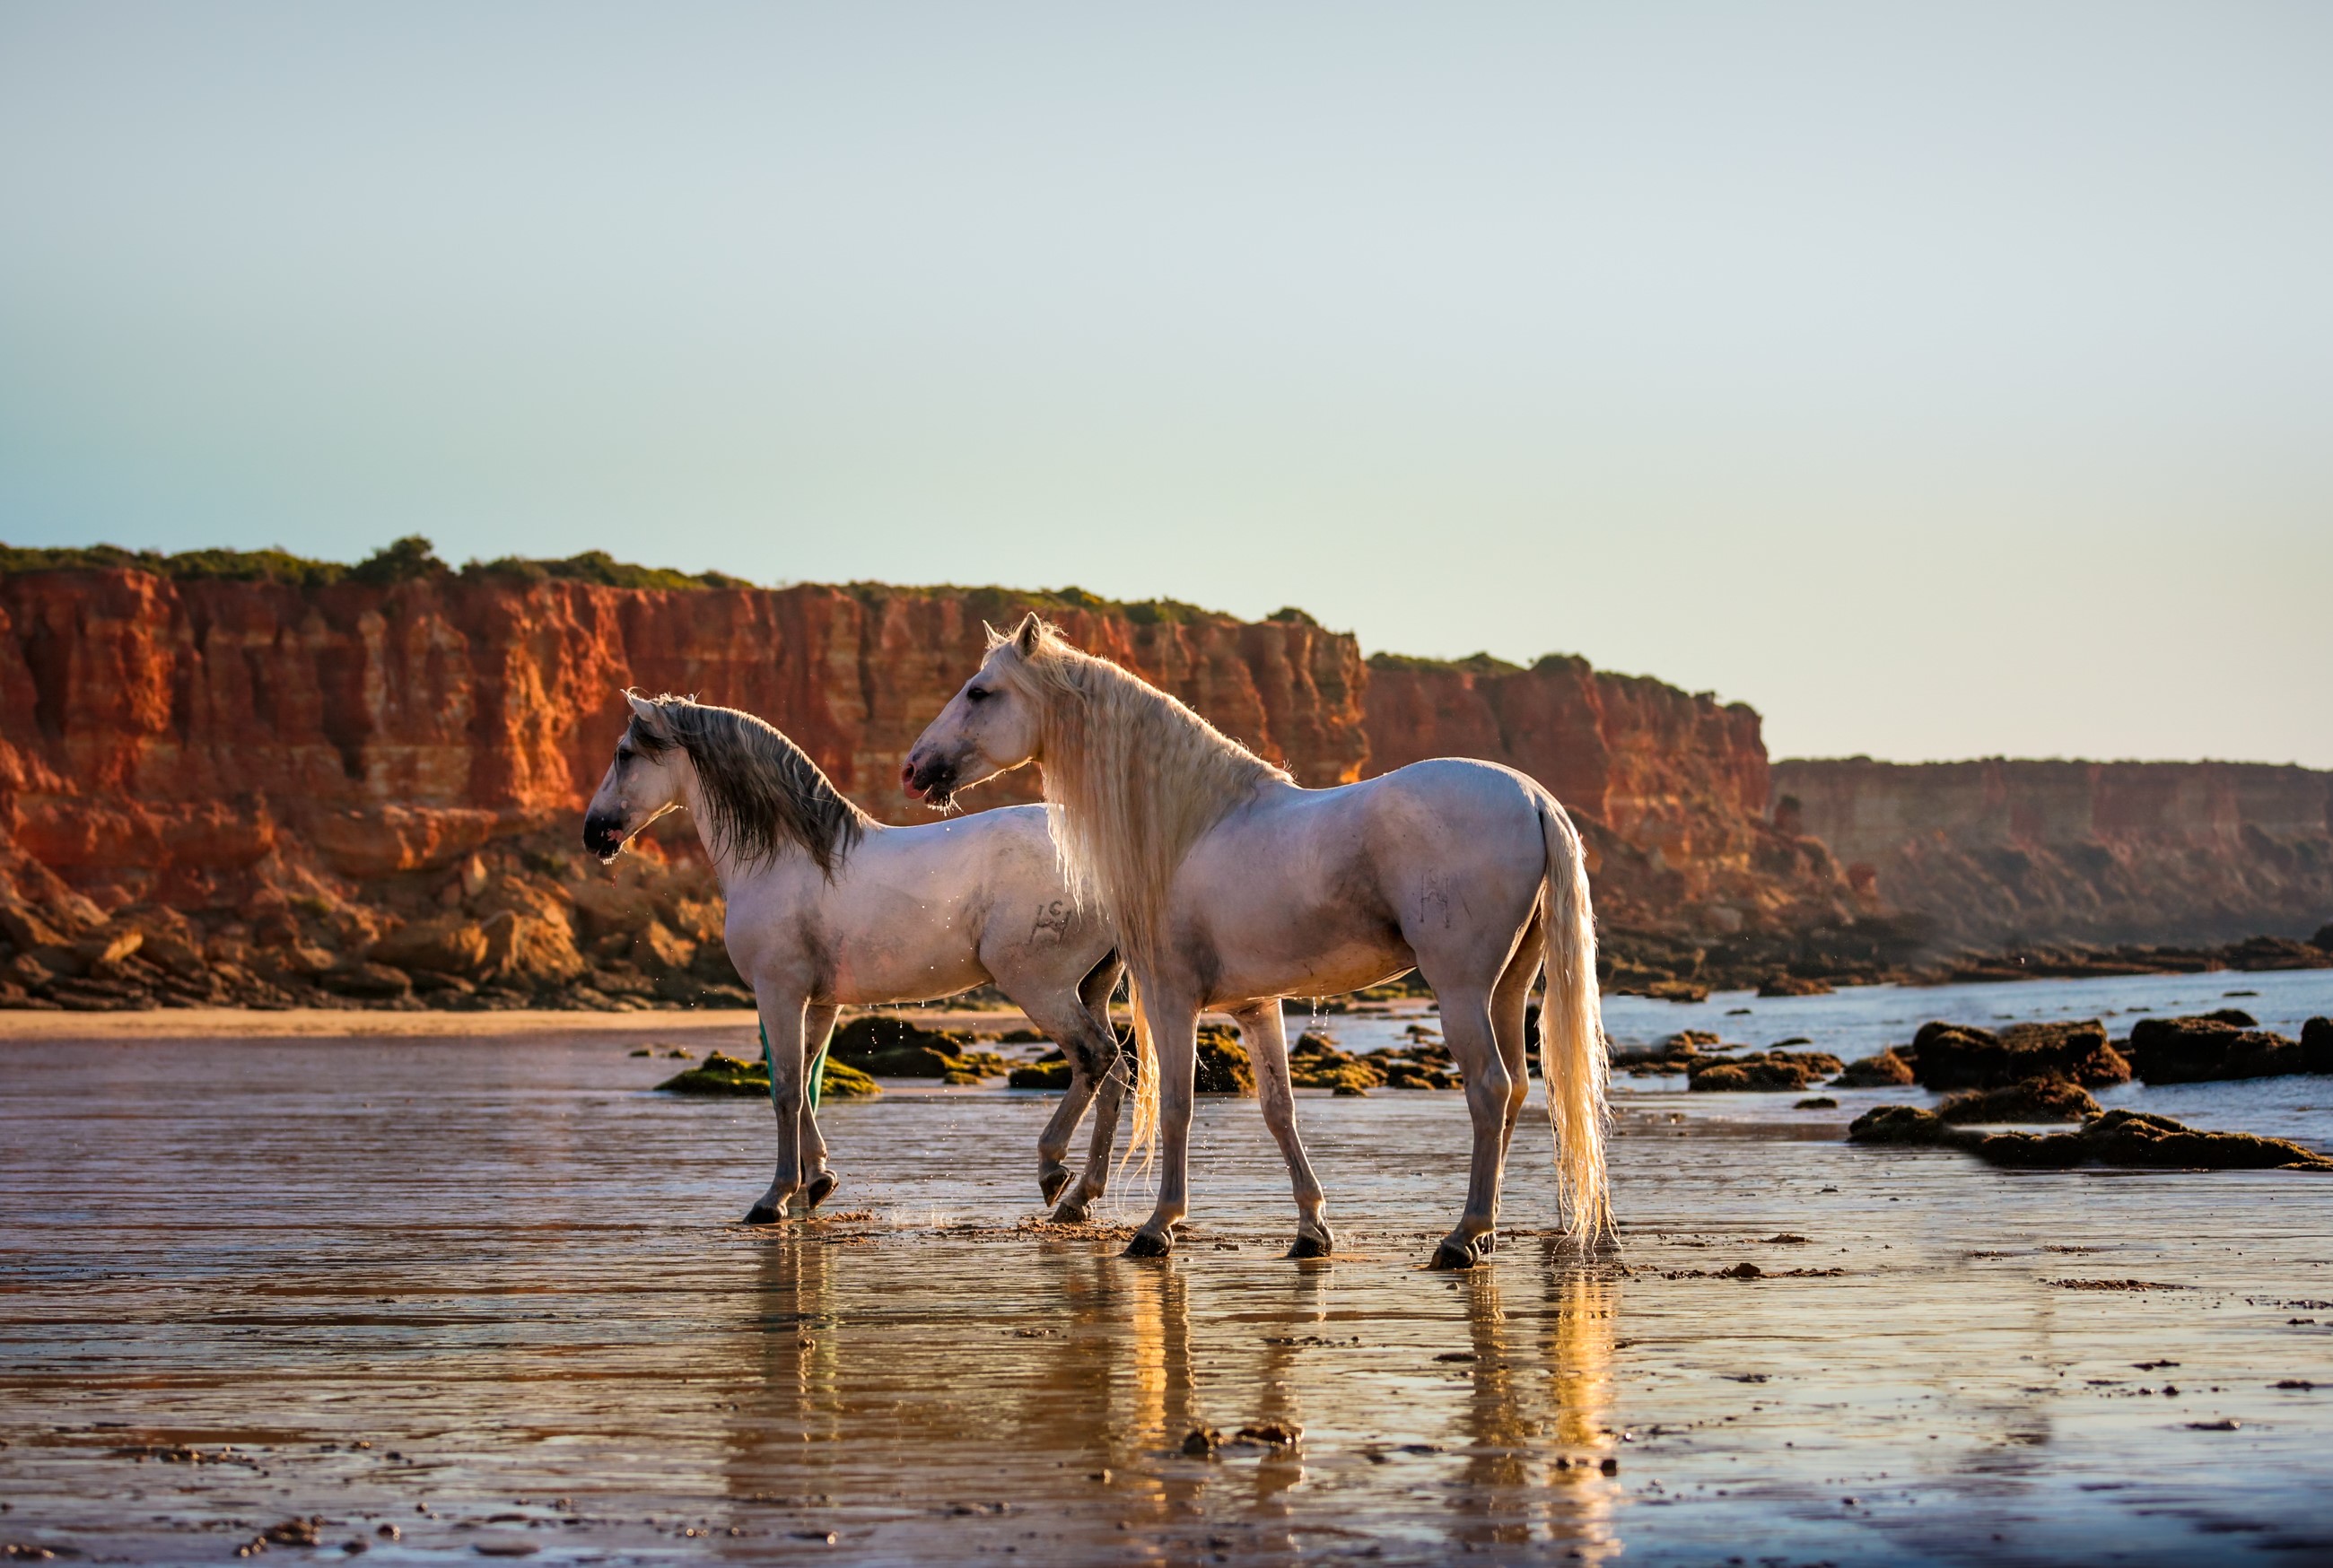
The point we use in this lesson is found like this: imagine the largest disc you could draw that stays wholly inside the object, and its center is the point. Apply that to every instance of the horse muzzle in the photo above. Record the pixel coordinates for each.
(603, 835)
(933, 780)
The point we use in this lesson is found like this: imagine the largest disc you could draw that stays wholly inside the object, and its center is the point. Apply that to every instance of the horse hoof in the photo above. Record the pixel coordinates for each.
(1070, 1211)
(821, 1186)
(1451, 1256)
(761, 1214)
(1145, 1244)
(1308, 1246)
(1050, 1182)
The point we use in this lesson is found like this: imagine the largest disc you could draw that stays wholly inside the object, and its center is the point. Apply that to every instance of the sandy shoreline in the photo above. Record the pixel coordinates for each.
(334, 1023)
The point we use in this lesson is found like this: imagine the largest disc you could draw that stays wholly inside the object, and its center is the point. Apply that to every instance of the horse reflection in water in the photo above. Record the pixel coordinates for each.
(1538, 1425)
(1053, 1417)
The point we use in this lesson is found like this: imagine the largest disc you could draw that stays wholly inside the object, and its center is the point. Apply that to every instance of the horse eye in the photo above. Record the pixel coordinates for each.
(975, 695)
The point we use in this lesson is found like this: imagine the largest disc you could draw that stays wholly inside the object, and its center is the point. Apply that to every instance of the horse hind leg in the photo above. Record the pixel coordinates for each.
(1110, 1067)
(1094, 1079)
(1490, 1088)
(1266, 1034)
(1509, 1003)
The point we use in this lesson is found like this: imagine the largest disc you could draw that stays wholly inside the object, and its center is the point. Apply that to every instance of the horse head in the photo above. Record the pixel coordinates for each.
(991, 725)
(643, 781)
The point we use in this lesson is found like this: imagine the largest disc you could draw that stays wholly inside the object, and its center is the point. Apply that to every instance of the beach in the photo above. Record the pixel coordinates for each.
(490, 1292)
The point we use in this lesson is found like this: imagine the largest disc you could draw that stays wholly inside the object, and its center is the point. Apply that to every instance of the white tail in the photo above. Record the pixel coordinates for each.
(1572, 1055)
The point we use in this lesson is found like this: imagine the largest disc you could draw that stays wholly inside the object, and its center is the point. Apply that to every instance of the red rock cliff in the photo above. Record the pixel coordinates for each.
(2100, 851)
(159, 738)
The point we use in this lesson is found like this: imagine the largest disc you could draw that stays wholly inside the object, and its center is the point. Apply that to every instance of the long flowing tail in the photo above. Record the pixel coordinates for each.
(1142, 1132)
(1572, 1054)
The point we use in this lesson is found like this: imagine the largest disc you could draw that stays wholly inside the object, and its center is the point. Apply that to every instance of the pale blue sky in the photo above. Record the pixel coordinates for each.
(1943, 380)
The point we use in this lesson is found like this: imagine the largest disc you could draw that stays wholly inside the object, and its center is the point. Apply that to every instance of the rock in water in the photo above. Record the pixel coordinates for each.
(1767, 1070)
(2050, 1099)
(898, 1048)
(720, 1075)
(1887, 1070)
(2220, 1045)
(2116, 1138)
(1223, 1066)
(1962, 1056)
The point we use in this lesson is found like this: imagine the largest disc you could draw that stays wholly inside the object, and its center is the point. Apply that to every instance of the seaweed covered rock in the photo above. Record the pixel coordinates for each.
(2128, 1138)
(1673, 1055)
(1054, 1074)
(1763, 1070)
(1963, 1057)
(2317, 1044)
(1885, 1070)
(720, 1075)
(2035, 1100)
(1223, 1066)
(2212, 1046)
(1423, 1063)
(1314, 1062)
(896, 1047)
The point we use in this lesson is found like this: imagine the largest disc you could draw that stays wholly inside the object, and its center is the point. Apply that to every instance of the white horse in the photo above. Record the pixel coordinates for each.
(1229, 887)
(830, 908)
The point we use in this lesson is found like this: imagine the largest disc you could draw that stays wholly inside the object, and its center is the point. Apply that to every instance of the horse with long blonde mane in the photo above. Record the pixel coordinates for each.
(1229, 887)
(829, 908)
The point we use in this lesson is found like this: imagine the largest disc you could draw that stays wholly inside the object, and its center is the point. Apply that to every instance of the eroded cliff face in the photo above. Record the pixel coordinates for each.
(2108, 852)
(300, 780)
(159, 736)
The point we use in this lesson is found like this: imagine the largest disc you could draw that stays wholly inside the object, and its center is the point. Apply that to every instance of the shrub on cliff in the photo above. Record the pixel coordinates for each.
(597, 566)
(400, 561)
(229, 565)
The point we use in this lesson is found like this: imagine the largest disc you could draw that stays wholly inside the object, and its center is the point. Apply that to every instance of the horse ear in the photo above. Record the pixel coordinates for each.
(645, 711)
(1026, 636)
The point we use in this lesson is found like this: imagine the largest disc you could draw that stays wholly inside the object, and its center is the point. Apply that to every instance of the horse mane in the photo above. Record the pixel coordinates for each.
(758, 791)
(1132, 779)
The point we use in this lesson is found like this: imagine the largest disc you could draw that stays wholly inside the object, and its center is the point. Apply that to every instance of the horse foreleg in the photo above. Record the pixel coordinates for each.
(818, 1181)
(1173, 1023)
(1111, 1071)
(1262, 1027)
(1053, 1143)
(781, 1021)
(1467, 1030)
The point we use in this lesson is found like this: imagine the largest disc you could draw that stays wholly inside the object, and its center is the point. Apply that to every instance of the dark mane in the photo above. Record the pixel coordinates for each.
(759, 790)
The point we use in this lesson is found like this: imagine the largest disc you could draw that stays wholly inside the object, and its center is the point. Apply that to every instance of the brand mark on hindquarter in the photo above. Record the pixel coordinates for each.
(1053, 917)
(1432, 902)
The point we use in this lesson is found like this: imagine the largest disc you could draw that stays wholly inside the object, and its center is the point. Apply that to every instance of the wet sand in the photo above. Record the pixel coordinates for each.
(512, 1274)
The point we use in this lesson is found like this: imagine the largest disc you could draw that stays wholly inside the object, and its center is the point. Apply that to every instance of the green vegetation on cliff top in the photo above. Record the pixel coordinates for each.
(405, 560)
(414, 557)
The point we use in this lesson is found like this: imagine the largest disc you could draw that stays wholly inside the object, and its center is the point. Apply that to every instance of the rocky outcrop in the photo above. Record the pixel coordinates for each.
(2126, 1138)
(1963, 1057)
(2224, 1045)
(1998, 852)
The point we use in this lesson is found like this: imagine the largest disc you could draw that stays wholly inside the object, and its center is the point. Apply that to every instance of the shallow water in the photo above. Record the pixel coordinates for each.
(507, 1266)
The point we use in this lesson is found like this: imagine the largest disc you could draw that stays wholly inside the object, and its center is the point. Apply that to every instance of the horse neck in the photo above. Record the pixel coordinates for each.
(726, 869)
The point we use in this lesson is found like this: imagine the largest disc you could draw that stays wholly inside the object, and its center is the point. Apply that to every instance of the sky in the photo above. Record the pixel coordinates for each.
(1944, 380)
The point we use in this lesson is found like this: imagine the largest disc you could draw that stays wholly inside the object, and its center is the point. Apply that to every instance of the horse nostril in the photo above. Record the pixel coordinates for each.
(908, 774)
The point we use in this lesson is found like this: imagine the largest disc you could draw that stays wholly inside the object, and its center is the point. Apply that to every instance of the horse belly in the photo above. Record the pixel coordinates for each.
(885, 944)
(1326, 955)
